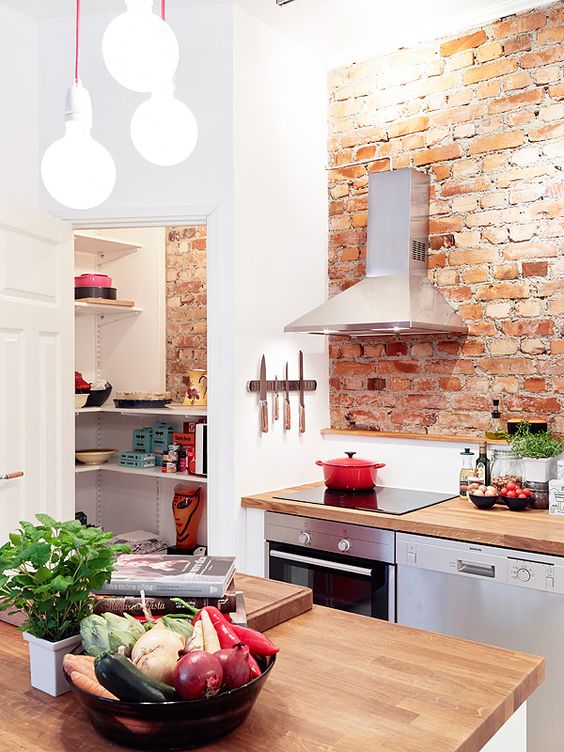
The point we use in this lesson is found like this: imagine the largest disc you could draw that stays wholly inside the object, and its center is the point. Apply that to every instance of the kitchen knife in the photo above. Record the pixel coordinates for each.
(275, 401)
(287, 410)
(302, 402)
(262, 397)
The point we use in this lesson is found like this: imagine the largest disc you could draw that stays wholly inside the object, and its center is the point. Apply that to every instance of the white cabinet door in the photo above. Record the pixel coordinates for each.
(36, 367)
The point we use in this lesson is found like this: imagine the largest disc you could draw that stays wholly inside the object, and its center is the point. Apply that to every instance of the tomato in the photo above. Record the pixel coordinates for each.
(511, 494)
(511, 486)
(522, 496)
(528, 491)
(503, 491)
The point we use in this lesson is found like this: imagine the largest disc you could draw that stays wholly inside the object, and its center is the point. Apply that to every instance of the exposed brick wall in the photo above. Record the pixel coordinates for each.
(186, 312)
(483, 114)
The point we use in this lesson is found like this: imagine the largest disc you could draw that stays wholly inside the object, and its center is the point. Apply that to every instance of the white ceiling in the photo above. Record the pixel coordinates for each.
(340, 31)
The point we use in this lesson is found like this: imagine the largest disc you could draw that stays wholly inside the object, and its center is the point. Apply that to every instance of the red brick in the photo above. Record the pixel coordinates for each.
(503, 290)
(466, 42)
(408, 126)
(490, 51)
(421, 349)
(381, 165)
(556, 91)
(437, 154)
(506, 271)
(535, 384)
(536, 59)
(376, 385)
(472, 347)
(489, 70)
(530, 250)
(476, 274)
(454, 187)
(503, 366)
(553, 34)
(441, 172)
(535, 268)
(556, 130)
(488, 89)
(521, 43)
(459, 115)
(448, 347)
(450, 384)
(518, 24)
(471, 311)
(476, 256)
(528, 327)
(395, 348)
(557, 347)
(506, 140)
(516, 100)
(481, 329)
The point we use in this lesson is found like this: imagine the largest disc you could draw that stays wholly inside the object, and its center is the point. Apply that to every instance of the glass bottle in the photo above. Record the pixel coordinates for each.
(483, 465)
(506, 467)
(495, 428)
(466, 472)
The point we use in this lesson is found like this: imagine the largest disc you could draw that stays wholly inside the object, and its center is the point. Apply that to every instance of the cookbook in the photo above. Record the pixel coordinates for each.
(161, 574)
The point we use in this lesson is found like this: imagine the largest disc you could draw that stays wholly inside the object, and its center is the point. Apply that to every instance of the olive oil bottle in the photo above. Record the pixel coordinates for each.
(495, 428)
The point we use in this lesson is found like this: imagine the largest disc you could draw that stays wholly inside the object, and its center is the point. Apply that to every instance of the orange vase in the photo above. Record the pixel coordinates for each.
(187, 508)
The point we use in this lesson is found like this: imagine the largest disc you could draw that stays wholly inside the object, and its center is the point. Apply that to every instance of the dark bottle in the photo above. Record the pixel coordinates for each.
(483, 465)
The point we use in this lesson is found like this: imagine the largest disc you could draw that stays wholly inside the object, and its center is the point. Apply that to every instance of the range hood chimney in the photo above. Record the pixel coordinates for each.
(396, 296)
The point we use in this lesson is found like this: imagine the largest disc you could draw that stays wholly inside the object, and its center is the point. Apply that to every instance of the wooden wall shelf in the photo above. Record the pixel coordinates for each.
(418, 436)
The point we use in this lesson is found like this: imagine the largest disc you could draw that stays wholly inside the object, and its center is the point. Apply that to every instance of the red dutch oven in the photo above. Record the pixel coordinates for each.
(350, 473)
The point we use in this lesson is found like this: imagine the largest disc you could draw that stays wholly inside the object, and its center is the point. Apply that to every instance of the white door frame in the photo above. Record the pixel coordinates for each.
(220, 481)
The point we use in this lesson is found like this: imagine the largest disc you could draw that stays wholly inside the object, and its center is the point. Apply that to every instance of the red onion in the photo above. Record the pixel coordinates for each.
(235, 664)
(198, 674)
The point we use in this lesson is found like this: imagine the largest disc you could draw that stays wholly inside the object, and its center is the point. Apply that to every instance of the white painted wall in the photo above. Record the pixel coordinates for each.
(280, 237)
(19, 173)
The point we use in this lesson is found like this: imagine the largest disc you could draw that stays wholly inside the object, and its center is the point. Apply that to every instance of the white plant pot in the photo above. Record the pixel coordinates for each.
(46, 663)
(539, 470)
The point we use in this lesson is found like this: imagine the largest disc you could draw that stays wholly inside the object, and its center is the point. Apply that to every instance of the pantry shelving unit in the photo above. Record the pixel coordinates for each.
(127, 347)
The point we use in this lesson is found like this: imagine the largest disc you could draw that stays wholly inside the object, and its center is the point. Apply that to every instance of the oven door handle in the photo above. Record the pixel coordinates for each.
(350, 568)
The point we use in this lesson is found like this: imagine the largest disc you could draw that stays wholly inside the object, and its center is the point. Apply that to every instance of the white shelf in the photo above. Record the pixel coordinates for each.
(109, 248)
(184, 412)
(103, 309)
(150, 472)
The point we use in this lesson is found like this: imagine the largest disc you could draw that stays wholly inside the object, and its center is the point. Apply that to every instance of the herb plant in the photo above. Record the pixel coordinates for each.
(49, 571)
(541, 445)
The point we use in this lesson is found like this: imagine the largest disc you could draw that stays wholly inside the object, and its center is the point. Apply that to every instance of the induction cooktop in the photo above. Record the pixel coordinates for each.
(380, 499)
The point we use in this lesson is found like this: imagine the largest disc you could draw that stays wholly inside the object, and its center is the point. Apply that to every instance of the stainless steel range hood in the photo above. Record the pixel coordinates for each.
(396, 296)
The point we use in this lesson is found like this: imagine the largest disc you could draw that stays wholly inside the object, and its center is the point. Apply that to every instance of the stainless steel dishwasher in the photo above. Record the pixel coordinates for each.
(512, 599)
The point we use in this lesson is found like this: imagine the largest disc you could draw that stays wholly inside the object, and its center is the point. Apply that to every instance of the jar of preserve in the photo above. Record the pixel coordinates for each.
(506, 467)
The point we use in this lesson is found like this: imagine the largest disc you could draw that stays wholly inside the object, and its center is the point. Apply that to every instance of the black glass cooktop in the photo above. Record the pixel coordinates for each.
(385, 500)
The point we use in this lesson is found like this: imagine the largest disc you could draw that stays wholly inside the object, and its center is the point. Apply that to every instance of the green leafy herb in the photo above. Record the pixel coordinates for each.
(541, 445)
(49, 572)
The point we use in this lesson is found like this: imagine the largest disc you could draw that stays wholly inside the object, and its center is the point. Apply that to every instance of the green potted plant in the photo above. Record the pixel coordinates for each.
(48, 571)
(537, 450)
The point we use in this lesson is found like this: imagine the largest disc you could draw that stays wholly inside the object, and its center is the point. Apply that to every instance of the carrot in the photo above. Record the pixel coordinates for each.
(93, 687)
(83, 664)
(211, 640)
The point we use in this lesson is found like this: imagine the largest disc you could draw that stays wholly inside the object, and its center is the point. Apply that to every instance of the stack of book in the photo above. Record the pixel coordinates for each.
(198, 580)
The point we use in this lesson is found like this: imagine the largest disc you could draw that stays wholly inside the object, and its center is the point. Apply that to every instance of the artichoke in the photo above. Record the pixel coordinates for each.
(95, 636)
(109, 633)
(182, 626)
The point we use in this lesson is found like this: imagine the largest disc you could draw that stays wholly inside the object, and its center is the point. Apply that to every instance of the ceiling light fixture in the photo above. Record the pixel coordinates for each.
(76, 170)
(140, 49)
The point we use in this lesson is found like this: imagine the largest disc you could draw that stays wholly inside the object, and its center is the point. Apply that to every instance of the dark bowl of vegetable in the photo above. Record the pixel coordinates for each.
(483, 502)
(174, 725)
(515, 503)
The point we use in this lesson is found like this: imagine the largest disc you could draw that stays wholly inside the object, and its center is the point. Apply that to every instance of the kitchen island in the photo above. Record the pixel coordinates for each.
(342, 683)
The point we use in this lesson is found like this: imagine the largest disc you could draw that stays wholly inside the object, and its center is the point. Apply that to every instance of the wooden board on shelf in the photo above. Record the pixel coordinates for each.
(104, 301)
(402, 435)
(268, 602)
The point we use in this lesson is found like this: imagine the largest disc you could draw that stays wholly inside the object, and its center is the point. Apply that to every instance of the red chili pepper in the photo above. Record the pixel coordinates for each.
(255, 668)
(224, 630)
(257, 642)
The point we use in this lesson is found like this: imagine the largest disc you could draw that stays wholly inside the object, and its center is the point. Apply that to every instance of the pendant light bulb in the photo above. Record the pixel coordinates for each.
(140, 49)
(76, 170)
(163, 129)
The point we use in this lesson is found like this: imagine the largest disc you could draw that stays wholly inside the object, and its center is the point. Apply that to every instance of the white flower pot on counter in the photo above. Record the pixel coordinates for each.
(46, 663)
(539, 470)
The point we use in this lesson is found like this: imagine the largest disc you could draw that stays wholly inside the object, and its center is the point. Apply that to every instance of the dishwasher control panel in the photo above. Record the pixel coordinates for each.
(535, 574)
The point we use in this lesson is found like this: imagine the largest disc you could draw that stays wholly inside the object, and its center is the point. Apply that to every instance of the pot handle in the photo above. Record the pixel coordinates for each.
(379, 465)
(320, 463)
(350, 455)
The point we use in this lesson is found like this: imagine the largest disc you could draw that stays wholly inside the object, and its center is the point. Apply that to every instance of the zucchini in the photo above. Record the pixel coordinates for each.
(118, 675)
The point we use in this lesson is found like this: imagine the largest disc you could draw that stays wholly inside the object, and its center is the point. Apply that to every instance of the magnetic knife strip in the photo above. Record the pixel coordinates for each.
(293, 385)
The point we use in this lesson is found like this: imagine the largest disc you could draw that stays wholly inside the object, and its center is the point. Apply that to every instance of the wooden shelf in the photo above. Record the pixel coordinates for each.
(104, 309)
(149, 472)
(183, 412)
(417, 436)
(87, 410)
(100, 245)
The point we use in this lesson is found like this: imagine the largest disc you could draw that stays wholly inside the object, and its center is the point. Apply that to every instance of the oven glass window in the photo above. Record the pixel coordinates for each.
(361, 592)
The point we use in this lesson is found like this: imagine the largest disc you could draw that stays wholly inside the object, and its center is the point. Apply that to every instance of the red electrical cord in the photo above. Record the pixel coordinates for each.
(163, 14)
(77, 42)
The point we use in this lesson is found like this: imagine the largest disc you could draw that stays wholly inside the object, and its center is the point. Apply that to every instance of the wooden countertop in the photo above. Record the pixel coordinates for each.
(531, 530)
(342, 683)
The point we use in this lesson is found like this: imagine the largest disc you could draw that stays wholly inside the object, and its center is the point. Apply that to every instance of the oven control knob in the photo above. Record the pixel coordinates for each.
(344, 545)
(523, 574)
(304, 538)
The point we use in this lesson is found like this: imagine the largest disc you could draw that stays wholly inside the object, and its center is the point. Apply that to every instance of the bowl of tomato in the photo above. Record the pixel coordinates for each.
(516, 498)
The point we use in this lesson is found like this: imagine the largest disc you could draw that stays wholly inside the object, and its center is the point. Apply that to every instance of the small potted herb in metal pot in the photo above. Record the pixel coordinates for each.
(49, 571)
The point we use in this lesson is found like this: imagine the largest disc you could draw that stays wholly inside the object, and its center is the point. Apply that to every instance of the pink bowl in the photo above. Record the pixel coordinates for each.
(93, 280)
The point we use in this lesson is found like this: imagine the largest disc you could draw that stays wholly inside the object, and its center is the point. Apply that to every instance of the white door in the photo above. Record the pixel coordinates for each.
(36, 367)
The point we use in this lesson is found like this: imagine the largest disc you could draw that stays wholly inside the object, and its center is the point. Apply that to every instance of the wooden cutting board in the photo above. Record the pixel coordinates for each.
(106, 301)
(269, 602)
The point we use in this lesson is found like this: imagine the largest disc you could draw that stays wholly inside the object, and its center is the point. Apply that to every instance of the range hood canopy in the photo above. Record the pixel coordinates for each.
(396, 295)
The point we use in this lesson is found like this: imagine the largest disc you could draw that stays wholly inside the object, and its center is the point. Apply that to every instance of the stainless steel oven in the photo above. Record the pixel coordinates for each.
(349, 567)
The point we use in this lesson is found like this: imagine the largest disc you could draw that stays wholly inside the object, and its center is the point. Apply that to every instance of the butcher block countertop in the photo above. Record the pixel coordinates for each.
(342, 683)
(458, 519)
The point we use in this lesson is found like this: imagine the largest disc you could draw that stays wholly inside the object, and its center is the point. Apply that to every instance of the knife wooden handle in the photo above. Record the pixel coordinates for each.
(287, 415)
(302, 419)
(275, 407)
(11, 476)
(264, 416)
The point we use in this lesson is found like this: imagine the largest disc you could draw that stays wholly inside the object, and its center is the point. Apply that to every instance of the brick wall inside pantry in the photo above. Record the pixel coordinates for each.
(483, 114)
(186, 312)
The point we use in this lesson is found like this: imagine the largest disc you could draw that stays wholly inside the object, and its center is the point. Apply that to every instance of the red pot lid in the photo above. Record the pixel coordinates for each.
(350, 461)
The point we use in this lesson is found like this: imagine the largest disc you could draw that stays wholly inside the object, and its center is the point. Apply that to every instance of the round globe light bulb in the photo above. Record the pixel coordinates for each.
(140, 50)
(76, 170)
(163, 129)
